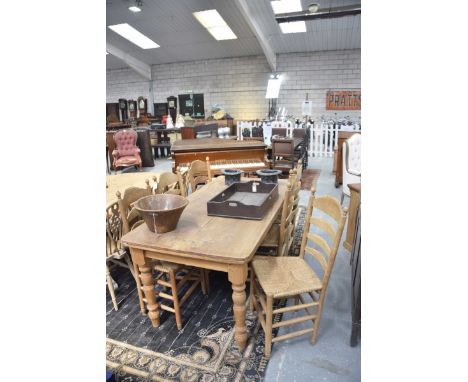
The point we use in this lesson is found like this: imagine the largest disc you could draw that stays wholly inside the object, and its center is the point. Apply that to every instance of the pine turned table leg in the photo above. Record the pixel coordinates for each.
(150, 293)
(237, 277)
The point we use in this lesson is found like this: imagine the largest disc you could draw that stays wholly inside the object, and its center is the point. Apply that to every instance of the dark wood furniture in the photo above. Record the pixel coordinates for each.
(205, 129)
(356, 282)
(280, 131)
(198, 126)
(338, 156)
(161, 142)
(354, 205)
(223, 153)
(201, 241)
(118, 126)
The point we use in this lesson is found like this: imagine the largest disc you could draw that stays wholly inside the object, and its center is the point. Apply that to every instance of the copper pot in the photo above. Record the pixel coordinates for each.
(161, 213)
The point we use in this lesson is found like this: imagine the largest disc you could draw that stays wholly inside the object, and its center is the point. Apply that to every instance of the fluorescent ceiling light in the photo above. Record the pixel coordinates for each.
(273, 88)
(293, 27)
(134, 8)
(286, 6)
(131, 34)
(215, 24)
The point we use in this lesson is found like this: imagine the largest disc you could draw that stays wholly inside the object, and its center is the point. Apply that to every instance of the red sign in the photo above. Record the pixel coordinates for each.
(343, 100)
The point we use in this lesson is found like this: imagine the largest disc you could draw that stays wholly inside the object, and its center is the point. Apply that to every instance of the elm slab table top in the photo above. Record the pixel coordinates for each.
(227, 240)
(209, 242)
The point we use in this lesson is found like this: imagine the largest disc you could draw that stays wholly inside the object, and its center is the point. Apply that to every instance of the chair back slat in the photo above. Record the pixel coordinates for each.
(329, 205)
(198, 173)
(127, 213)
(324, 226)
(289, 214)
(320, 241)
(113, 229)
(319, 256)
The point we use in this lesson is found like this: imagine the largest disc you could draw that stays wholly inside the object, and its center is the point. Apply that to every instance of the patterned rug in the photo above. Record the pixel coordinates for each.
(203, 351)
(309, 178)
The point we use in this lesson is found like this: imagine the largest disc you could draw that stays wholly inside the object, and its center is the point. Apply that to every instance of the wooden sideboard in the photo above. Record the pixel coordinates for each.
(354, 204)
(342, 136)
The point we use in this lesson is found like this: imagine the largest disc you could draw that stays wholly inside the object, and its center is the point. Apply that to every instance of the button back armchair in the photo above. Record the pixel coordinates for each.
(127, 153)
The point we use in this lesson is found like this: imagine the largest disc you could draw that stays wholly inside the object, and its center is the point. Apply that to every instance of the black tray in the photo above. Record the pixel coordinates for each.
(239, 201)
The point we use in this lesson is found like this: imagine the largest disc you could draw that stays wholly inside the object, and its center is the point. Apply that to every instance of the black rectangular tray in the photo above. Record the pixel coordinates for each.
(239, 201)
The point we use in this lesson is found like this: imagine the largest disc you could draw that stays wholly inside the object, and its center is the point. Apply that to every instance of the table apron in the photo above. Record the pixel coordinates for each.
(139, 254)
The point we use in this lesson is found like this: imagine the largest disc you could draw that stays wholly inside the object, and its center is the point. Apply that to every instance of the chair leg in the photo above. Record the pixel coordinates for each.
(251, 297)
(136, 275)
(317, 320)
(110, 285)
(269, 324)
(178, 316)
(342, 197)
(203, 280)
(207, 280)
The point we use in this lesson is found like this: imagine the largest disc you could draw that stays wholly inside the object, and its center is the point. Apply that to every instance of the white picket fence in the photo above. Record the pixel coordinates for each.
(323, 139)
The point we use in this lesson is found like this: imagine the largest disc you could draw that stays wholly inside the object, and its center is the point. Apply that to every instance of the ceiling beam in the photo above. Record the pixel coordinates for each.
(138, 66)
(266, 47)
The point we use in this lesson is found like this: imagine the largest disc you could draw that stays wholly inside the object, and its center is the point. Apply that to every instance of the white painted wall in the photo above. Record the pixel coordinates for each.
(239, 84)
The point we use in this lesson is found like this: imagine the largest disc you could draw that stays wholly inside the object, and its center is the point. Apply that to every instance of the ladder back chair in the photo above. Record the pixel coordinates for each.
(280, 237)
(169, 275)
(199, 173)
(172, 277)
(277, 278)
(115, 253)
(170, 183)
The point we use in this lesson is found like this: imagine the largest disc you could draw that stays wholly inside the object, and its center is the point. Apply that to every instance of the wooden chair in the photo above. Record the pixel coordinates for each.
(281, 234)
(199, 173)
(173, 276)
(128, 213)
(285, 277)
(167, 274)
(130, 220)
(115, 253)
(170, 183)
(283, 154)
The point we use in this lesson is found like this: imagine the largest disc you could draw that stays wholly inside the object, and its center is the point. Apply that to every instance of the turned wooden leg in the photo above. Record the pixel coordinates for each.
(110, 285)
(175, 297)
(150, 293)
(237, 276)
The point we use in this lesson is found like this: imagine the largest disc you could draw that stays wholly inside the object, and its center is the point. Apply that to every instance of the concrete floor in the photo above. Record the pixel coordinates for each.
(331, 358)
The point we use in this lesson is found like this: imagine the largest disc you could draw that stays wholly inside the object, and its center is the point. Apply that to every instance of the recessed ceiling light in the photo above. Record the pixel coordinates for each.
(134, 8)
(286, 6)
(131, 34)
(215, 24)
(293, 27)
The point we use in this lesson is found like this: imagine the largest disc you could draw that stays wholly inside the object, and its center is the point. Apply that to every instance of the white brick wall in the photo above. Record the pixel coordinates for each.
(239, 84)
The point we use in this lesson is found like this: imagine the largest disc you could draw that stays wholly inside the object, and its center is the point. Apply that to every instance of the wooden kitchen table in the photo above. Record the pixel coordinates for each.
(209, 242)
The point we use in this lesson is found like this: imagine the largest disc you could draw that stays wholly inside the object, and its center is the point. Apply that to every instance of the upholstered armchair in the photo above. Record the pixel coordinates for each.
(351, 163)
(127, 153)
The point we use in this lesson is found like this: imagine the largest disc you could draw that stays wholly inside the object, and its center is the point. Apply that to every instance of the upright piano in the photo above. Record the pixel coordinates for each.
(223, 153)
